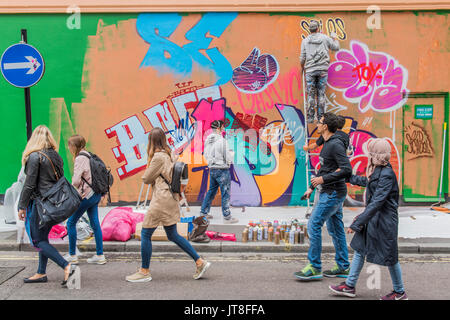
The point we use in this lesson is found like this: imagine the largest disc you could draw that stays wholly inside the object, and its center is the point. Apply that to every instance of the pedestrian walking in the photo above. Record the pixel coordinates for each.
(41, 161)
(219, 158)
(341, 134)
(376, 228)
(164, 207)
(314, 61)
(82, 181)
(330, 182)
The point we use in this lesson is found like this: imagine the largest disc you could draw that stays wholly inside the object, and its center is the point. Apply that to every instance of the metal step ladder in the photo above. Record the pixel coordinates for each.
(308, 154)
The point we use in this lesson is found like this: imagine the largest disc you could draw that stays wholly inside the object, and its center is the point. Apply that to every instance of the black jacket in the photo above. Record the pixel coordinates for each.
(40, 176)
(333, 156)
(377, 227)
(341, 134)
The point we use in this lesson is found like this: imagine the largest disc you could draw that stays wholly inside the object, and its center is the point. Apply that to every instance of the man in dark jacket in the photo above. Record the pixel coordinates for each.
(341, 134)
(335, 168)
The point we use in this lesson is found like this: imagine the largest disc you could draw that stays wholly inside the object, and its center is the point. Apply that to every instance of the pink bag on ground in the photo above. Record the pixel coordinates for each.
(221, 236)
(120, 223)
(58, 231)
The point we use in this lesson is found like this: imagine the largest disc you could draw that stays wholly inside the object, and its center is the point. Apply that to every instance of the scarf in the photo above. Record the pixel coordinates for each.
(379, 154)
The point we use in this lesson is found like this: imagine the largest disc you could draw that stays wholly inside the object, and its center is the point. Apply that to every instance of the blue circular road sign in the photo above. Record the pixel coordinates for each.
(22, 65)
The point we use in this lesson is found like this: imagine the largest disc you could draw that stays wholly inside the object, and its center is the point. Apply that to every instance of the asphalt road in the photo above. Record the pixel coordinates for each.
(231, 277)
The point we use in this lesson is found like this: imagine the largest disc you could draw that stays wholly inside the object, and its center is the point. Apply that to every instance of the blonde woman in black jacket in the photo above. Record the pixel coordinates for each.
(40, 177)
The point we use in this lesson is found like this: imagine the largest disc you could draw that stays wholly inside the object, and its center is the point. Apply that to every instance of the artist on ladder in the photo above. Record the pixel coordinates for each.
(315, 60)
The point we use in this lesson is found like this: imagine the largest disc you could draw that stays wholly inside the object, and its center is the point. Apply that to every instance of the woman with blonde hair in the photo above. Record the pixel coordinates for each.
(82, 181)
(164, 207)
(42, 165)
(376, 229)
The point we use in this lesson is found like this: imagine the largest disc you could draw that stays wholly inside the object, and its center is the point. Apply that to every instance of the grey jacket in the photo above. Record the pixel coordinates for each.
(217, 153)
(315, 52)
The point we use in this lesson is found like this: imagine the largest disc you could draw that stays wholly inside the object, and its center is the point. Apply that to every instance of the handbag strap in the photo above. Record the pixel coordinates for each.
(51, 162)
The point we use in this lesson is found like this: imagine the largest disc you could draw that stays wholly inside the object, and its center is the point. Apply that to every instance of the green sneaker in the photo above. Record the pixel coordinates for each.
(308, 273)
(336, 272)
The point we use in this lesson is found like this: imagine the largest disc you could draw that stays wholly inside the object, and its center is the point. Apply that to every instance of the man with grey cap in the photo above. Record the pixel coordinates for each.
(315, 60)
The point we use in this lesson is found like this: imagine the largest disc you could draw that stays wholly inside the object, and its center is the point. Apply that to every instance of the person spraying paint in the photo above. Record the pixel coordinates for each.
(314, 61)
(376, 229)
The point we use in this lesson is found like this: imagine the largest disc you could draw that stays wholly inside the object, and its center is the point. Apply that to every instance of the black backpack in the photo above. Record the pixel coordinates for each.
(102, 178)
(179, 172)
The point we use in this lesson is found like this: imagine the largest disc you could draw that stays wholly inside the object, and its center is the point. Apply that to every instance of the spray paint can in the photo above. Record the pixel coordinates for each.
(266, 232)
(255, 233)
(250, 233)
(270, 238)
(275, 224)
(286, 235)
(277, 237)
(292, 236)
(302, 237)
(260, 234)
(282, 233)
(296, 236)
(245, 235)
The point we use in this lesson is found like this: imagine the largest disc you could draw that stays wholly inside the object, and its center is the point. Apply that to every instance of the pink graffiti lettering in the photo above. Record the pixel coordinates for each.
(284, 92)
(170, 115)
(374, 80)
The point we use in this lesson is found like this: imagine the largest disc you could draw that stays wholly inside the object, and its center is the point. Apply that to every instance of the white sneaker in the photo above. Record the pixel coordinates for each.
(71, 259)
(201, 269)
(97, 259)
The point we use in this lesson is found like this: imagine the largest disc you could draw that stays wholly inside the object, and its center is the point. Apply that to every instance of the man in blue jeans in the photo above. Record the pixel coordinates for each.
(219, 158)
(334, 168)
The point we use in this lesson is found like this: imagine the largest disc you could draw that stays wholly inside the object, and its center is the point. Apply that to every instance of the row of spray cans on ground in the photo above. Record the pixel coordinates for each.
(292, 232)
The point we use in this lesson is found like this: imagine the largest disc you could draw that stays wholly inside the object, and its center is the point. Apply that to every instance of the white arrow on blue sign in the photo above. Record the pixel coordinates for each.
(22, 65)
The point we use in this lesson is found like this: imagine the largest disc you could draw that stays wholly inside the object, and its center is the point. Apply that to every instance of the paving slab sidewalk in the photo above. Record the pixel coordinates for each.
(421, 230)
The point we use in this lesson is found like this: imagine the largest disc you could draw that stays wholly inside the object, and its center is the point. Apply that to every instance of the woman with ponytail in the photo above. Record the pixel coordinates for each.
(82, 181)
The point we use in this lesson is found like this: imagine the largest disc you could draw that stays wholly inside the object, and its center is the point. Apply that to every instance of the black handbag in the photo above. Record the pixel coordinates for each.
(58, 203)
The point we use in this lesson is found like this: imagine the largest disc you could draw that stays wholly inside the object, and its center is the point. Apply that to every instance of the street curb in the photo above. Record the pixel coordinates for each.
(134, 246)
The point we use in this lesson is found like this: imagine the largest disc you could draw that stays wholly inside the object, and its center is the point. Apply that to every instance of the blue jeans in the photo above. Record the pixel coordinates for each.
(329, 210)
(172, 235)
(91, 206)
(316, 83)
(39, 238)
(357, 265)
(218, 178)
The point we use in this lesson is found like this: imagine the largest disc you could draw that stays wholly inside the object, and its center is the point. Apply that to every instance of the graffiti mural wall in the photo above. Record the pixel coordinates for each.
(180, 72)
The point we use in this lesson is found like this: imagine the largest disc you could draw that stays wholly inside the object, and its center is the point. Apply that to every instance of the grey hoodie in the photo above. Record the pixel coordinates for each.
(216, 152)
(315, 52)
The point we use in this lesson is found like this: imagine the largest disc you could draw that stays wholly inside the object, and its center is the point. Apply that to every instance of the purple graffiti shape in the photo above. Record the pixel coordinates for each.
(374, 80)
(256, 72)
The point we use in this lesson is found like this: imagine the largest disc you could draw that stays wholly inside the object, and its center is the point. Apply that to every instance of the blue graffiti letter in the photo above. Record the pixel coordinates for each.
(155, 28)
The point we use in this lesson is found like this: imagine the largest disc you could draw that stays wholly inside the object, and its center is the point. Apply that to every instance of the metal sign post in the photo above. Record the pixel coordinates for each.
(27, 95)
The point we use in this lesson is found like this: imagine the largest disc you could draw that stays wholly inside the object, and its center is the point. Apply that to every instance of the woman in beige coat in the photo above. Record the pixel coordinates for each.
(164, 207)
